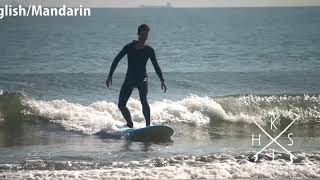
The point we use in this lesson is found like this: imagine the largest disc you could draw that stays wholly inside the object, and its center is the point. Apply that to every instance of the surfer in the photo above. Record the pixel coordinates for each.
(138, 54)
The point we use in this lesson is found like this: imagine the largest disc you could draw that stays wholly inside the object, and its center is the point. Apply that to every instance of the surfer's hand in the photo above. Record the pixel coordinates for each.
(109, 81)
(163, 86)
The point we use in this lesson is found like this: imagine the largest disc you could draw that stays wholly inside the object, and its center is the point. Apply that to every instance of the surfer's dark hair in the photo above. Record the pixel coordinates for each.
(143, 27)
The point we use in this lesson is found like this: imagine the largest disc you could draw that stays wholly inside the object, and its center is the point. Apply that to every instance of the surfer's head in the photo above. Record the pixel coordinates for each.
(143, 31)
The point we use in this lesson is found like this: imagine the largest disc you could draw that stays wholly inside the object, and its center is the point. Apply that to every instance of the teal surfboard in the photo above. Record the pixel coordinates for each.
(150, 133)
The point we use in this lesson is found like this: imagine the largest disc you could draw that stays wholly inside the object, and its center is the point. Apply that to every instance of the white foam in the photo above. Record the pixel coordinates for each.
(73, 116)
(106, 115)
(184, 167)
(190, 110)
(195, 110)
(262, 108)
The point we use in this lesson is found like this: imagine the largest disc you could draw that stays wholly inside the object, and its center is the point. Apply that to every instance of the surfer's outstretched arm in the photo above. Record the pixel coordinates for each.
(157, 69)
(115, 62)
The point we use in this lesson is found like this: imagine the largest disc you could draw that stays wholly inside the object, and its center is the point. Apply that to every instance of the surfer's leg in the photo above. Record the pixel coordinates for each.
(143, 92)
(125, 93)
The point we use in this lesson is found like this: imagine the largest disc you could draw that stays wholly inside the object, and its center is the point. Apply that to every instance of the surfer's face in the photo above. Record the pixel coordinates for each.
(143, 36)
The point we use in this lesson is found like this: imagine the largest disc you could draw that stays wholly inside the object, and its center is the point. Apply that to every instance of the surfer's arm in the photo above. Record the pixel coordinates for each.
(116, 60)
(155, 64)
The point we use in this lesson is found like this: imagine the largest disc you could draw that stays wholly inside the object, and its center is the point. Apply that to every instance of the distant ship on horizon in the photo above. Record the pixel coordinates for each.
(168, 5)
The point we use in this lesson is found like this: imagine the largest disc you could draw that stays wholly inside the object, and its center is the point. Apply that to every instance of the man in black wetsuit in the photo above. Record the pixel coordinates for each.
(138, 54)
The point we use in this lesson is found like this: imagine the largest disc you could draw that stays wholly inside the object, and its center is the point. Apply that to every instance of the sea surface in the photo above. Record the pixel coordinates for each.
(227, 70)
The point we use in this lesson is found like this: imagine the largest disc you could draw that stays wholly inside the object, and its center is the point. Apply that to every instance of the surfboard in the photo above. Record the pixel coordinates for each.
(150, 133)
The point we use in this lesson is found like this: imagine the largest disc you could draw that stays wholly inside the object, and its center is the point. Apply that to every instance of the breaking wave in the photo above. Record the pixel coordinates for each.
(193, 110)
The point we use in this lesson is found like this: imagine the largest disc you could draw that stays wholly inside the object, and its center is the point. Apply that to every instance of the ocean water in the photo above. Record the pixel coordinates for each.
(225, 68)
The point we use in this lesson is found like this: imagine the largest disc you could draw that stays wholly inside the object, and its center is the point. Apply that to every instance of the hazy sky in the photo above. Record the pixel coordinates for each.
(174, 3)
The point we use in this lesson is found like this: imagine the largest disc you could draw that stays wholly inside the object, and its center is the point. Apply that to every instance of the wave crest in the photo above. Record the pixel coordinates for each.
(193, 110)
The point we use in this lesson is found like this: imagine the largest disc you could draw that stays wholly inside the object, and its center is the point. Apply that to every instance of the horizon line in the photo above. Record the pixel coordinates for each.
(178, 7)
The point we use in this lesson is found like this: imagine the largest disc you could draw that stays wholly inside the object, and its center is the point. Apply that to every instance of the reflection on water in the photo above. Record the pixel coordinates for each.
(144, 146)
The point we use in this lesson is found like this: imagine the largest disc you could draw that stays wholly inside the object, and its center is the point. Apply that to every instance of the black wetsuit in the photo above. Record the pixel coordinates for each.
(136, 77)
